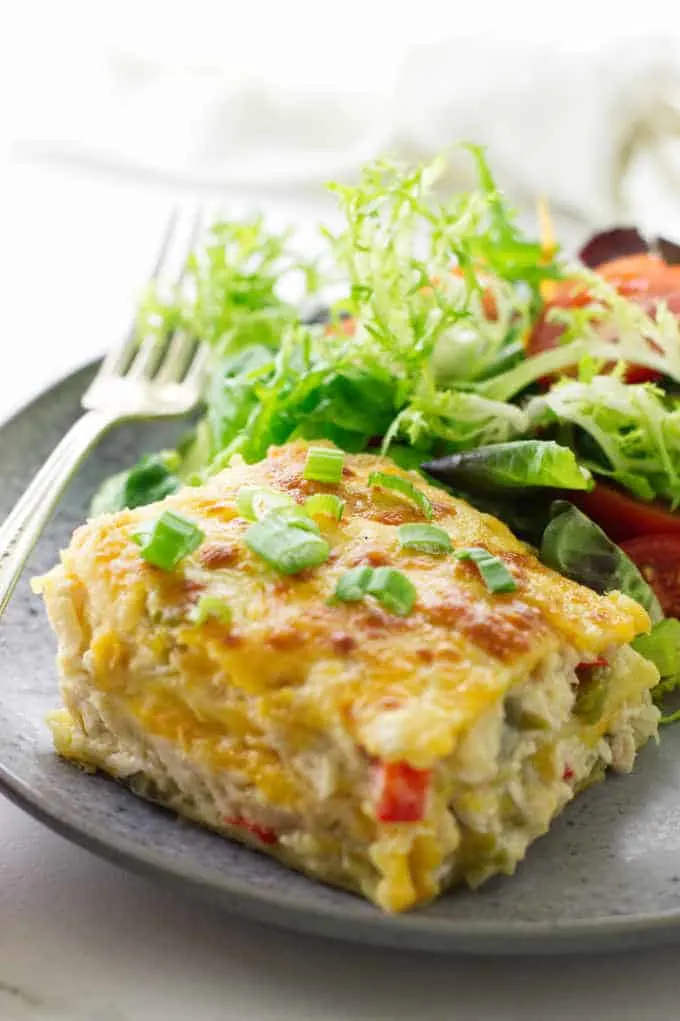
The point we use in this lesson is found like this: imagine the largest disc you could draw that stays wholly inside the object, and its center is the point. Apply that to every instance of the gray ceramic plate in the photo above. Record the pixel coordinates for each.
(607, 875)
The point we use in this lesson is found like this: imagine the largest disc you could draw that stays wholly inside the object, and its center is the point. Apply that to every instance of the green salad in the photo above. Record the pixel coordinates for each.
(431, 355)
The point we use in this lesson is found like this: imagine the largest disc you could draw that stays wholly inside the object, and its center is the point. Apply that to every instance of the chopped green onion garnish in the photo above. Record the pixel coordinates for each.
(211, 606)
(168, 540)
(296, 517)
(324, 464)
(257, 502)
(404, 487)
(286, 547)
(424, 538)
(352, 584)
(254, 502)
(495, 574)
(390, 587)
(393, 589)
(326, 505)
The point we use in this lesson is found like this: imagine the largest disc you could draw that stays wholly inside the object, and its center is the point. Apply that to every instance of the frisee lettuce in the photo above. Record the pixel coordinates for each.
(421, 276)
(441, 294)
(609, 330)
(231, 291)
(633, 431)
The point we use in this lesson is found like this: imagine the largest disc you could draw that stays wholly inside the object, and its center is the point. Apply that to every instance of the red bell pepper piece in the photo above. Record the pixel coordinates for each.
(401, 792)
(263, 834)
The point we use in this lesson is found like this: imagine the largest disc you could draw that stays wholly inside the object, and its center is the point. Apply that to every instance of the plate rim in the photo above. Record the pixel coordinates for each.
(442, 934)
(425, 933)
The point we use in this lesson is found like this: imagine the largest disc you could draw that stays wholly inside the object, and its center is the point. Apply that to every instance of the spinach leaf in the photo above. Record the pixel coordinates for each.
(519, 464)
(151, 479)
(578, 548)
(233, 393)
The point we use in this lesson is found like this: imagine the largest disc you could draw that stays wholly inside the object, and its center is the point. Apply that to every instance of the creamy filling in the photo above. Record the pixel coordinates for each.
(523, 761)
(512, 772)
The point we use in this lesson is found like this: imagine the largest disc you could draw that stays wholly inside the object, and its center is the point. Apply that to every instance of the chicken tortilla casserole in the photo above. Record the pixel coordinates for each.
(366, 707)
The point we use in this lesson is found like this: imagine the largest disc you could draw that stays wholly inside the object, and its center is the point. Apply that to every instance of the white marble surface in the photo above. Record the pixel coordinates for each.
(82, 941)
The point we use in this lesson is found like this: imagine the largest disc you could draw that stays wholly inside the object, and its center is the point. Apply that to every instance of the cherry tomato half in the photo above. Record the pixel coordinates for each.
(645, 279)
(623, 517)
(658, 558)
(641, 276)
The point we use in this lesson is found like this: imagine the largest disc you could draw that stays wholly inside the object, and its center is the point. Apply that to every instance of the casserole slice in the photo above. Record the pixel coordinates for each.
(391, 749)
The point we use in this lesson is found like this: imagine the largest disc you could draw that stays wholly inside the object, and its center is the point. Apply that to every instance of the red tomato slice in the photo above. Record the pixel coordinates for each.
(622, 516)
(646, 279)
(658, 558)
(643, 278)
(401, 792)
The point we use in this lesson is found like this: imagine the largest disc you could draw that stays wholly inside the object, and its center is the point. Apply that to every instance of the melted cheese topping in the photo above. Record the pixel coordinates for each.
(298, 694)
(404, 688)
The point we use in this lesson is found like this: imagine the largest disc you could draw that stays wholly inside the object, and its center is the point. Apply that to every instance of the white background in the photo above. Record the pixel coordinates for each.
(80, 940)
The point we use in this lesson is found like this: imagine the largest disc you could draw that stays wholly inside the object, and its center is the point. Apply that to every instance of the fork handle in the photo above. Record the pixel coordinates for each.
(22, 527)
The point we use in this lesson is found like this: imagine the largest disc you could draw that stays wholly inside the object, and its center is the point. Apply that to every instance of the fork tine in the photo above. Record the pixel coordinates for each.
(146, 357)
(117, 358)
(172, 267)
(170, 273)
(161, 374)
(177, 359)
(199, 365)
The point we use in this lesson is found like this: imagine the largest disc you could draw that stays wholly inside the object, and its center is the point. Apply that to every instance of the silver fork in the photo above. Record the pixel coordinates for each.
(146, 379)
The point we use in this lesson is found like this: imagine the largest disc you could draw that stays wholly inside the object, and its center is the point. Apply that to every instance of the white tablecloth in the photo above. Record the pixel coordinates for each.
(81, 940)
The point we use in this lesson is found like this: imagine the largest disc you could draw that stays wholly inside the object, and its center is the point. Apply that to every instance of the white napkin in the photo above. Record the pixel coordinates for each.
(591, 123)
(563, 122)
